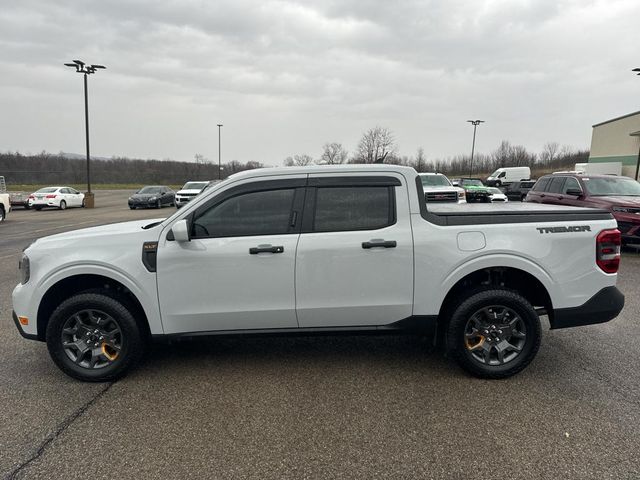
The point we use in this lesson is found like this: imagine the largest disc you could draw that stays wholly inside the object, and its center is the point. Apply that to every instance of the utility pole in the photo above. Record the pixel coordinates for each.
(219, 153)
(85, 69)
(475, 124)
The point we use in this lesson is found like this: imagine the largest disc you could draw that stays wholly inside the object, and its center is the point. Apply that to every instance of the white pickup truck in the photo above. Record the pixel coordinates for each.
(321, 250)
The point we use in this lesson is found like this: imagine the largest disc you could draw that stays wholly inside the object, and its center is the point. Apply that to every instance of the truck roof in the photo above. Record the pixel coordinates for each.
(370, 167)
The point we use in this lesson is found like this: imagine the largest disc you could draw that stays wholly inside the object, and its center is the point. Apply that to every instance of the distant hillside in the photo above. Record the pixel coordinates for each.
(68, 168)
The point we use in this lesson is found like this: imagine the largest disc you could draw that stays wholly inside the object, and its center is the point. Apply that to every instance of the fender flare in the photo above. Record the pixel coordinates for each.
(149, 303)
(496, 260)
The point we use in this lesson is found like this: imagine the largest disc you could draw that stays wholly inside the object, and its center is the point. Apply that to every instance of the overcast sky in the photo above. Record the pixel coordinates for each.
(285, 77)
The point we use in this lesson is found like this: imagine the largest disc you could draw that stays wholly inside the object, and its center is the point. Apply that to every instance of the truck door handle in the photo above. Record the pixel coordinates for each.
(266, 249)
(379, 243)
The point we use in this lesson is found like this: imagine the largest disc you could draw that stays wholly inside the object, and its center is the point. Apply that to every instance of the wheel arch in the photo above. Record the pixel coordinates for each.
(507, 277)
(75, 284)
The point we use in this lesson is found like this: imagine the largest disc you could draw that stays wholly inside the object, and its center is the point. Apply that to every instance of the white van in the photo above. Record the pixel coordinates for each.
(604, 168)
(507, 175)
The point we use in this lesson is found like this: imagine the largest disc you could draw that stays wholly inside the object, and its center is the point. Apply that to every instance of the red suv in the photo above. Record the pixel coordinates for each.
(619, 195)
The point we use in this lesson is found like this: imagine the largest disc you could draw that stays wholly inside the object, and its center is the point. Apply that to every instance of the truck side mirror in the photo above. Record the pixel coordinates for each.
(180, 231)
(576, 192)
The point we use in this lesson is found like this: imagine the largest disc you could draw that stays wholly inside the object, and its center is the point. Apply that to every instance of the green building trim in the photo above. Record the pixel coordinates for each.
(625, 159)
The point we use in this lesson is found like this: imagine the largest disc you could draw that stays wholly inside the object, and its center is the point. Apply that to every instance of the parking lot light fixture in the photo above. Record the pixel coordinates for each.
(84, 69)
(475, 124)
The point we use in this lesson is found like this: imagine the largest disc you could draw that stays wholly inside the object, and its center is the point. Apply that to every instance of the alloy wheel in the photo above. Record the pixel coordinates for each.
(92, 339)
(495, 335)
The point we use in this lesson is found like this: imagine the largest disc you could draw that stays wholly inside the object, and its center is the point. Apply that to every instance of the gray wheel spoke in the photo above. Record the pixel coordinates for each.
(79, 357)
(487, 353)
(500, 352)
(70, 330)
(96, 354)
(509, 347)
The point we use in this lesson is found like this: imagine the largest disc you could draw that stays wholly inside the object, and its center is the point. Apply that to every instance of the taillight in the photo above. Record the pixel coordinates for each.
(50, 196)
(608, 250)
(31, 197)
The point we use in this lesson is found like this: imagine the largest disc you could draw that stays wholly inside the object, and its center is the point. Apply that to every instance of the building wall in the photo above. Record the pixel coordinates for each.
(611, 142)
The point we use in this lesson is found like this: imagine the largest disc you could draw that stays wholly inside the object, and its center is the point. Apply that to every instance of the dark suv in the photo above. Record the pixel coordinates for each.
(619, 195)
(518, 190)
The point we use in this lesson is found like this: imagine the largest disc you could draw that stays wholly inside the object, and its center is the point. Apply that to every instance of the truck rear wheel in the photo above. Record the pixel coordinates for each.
(495, 333)
(1, 214)
(94, 337)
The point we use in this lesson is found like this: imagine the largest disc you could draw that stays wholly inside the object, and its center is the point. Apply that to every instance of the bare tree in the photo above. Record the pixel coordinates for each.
(199, 158)
(298, 160)
(420, 160)
(550, 152)
(375, 145)
(333, 154)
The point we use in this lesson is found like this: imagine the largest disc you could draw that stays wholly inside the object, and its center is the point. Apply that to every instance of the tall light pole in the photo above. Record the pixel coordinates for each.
(475, 124)
(85, 69)
(219, 153)
(636, 134)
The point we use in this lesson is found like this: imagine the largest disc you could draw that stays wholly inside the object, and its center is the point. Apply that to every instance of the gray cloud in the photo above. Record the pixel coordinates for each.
(286, 77)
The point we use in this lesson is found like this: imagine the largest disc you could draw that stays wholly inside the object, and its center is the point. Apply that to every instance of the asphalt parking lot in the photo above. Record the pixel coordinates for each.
(316, 407)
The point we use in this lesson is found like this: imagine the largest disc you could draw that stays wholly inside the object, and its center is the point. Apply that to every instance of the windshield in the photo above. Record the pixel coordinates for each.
(150, 190)
(434, 181)
(472, 183)
(194, 185)
(47, 190)
(495, 174)
(602, 187)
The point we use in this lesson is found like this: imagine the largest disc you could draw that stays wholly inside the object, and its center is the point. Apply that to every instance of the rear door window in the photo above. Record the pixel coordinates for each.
(555, 186)
(541, 184)
(353, 208)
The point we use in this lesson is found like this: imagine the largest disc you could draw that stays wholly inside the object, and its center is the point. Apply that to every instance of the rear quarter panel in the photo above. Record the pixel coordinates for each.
(563, 262)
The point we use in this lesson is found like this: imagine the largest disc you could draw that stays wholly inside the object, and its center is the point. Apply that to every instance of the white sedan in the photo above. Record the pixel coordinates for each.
(497, 195)
(58, 197)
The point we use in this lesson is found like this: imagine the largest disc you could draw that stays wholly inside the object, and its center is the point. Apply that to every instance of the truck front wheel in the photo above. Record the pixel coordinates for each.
(494, 333)
(94, 337)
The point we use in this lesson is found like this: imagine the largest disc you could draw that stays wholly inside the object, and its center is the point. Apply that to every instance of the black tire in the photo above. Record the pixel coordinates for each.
(523, 198)
(466, 355)
(63, 205)
(498, 183)
(3, 215)
(132, 339)
(158, 204)
(132, 207)
(82, 205)
(38, 208)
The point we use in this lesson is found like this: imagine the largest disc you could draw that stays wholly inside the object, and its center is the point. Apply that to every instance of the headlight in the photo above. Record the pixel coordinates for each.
(461, 194)
(24, 269)
(152, 199)
(621, 209)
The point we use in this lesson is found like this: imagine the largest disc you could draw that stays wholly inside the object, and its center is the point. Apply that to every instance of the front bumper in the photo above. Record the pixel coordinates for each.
(181, 201)
(28, 336)
(602, 307)
(142, 204)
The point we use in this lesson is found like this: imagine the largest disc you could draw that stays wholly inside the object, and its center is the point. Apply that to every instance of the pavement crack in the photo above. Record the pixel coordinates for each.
(59, 430)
